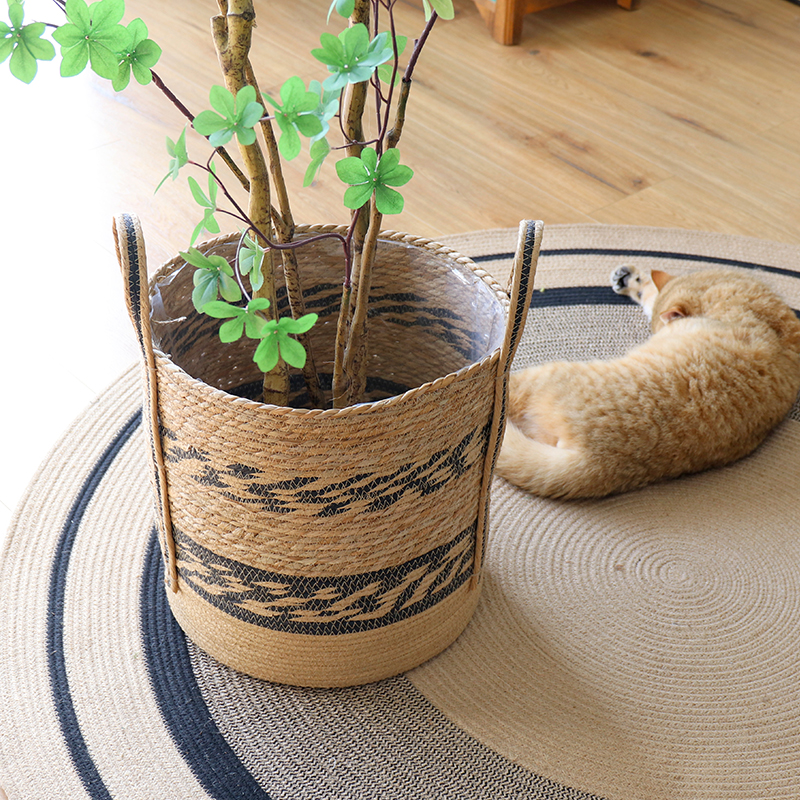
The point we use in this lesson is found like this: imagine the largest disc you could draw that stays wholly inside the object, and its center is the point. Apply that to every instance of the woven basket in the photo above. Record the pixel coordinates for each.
(329, 547)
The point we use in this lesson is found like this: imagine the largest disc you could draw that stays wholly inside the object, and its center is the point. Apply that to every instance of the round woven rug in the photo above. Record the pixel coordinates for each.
(643, 647)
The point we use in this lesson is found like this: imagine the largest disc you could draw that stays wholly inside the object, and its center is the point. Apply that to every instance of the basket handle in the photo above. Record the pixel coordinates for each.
(133, 263)
(520, 292)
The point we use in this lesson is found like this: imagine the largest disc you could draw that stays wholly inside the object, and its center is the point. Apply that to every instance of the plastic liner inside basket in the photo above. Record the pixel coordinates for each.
(430, 315)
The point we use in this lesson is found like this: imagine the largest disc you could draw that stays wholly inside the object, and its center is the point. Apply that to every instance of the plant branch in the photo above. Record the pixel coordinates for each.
(242, 216)
(400, 116)
(352, 383)
(418, 45)
(284, 225)
(232, 32)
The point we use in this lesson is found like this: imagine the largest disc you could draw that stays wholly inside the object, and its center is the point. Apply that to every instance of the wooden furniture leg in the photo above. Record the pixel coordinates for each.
(504, 17)
(506, 27)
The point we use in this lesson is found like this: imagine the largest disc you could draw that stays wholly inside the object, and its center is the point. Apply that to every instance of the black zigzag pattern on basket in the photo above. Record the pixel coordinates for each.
(326, 606)
(325, 498)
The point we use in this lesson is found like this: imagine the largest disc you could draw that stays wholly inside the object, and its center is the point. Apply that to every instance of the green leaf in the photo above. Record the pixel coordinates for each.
(69, 35)
(39, 48)
(444, 8)
(351, 56)
(355, 41)
(103, 61)
(388, 201)
(254, 322)
(277, 343)
(16, 13)
(301, 325)
(258, 304)
(369, 157)
(318, 152)
(266, 355)
(22, 64)
(356, 196)
(105, 14)
(344, 8)
(359, 173)
(137, 58)
(179, 157)
(296, 114)
(92, 35)
(214, 263)
(308, 125)
(213, 277)
(77, 13)
(223, 101)
(385, 70)
(331, 51)
(292, 352)
(238, 116)
(205, 288)
(289, 143)
(74, 61)
(228, 287)
(246, 95)
(208, 122)
(367, 175)
(352, 170)
(24, 44)
(198, 194)
(326, 109)
(251, 256)
(253, 325)
(232, 330)
(251, 114)
(220, 310)
(208, 223)
(391, 172)
(222, 137)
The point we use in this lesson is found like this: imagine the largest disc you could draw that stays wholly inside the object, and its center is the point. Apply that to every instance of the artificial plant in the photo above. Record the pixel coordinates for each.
(363, 65)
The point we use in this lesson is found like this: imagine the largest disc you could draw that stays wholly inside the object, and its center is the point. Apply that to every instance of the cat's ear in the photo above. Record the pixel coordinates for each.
(660, 279)
(671, 314)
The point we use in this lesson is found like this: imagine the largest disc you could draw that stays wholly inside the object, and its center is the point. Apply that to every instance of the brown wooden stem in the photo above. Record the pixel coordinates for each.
(351, 119)
(355, 355)
(232, 32)
(284, 226)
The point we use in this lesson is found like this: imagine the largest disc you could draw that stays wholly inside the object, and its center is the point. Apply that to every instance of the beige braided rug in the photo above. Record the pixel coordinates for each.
(645, 647)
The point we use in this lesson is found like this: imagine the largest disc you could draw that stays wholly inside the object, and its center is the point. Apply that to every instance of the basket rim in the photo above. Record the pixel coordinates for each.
(465, 372)
(437, 384)
(401, 237)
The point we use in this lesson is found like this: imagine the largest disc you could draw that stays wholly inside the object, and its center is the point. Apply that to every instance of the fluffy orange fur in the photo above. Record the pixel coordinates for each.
(721, 369)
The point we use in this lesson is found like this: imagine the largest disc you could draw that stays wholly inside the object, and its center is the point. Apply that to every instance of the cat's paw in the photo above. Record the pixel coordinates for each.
(625, 279)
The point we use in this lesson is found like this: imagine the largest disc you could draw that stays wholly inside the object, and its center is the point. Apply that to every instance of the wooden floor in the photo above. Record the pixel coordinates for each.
(685, 113)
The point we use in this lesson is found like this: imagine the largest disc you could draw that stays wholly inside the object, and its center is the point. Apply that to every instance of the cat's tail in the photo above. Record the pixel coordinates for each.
(540, 468)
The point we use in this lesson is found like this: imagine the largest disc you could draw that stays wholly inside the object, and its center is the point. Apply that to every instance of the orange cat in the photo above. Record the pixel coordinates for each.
(721, 369)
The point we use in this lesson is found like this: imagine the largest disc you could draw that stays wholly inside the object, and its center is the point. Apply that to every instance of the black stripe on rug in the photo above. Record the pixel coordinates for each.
(205, 750)
(665, 254)
(604, 295)
(59, 680)
(199, 741)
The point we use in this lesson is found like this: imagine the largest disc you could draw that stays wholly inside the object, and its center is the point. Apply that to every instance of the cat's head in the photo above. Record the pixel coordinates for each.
(723, 295)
